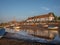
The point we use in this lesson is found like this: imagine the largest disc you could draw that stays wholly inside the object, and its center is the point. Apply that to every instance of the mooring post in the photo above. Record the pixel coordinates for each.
(59, 30)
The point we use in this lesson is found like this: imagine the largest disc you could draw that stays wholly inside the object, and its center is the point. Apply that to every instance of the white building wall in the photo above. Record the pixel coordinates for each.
(51, 18)
(38, 19)
(47, 19)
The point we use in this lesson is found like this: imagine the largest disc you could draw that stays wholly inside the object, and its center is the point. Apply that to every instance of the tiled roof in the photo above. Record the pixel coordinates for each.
(40, 16)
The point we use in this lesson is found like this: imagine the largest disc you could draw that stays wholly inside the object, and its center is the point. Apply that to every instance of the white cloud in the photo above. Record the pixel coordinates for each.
(45, 8)
(33, 11)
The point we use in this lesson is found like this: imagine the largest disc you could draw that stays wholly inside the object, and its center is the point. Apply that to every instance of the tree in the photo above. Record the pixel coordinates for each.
(59, 18)
(55, 18)
(53, 15)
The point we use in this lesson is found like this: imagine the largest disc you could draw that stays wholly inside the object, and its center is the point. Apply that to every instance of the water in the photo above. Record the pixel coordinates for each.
(25, 36)
(12, 33)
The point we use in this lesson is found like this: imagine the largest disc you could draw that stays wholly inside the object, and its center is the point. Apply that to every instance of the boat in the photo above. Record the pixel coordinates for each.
(2, 32)
(17, 28)
(52, 27)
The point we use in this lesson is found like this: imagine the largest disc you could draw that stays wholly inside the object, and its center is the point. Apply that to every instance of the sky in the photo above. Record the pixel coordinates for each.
(22, 9)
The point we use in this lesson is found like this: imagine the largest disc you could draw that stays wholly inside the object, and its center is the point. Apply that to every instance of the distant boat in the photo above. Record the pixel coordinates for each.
(17, 28)
(45, 25)
(52, 27)
(2, 32)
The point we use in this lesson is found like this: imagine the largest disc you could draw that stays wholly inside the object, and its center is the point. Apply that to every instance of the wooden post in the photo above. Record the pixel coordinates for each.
(59, 30)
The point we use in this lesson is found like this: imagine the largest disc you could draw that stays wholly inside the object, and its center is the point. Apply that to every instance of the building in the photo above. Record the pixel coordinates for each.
(45, 17)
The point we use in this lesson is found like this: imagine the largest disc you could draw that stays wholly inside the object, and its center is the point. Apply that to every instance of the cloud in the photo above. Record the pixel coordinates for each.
(33, 11)
(45, 8)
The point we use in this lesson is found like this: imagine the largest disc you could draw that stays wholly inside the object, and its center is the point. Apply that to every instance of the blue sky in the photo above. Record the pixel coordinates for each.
(22, 9)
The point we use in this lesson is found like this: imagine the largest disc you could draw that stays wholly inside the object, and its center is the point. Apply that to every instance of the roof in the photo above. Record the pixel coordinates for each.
(41, 16)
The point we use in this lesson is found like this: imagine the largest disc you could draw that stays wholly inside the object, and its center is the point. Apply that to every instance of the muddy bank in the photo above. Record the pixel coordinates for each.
(6, 41)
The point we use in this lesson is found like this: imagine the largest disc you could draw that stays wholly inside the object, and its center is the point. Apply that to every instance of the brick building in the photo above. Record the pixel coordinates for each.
(45, 17)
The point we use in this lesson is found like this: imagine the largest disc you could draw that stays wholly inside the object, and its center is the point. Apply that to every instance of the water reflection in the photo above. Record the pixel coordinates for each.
(44, 33)
(35, 34)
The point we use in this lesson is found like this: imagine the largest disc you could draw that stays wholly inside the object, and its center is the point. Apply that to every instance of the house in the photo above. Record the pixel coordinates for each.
(45, 17)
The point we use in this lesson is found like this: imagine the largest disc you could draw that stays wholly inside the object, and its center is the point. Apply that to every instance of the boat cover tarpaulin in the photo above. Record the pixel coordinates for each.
(2, 32)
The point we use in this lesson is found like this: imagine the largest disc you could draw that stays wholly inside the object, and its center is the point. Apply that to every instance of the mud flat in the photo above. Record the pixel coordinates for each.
(5, 41)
